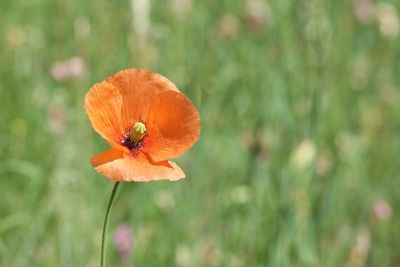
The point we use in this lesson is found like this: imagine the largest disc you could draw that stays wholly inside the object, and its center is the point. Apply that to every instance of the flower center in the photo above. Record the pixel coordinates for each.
(133, 138)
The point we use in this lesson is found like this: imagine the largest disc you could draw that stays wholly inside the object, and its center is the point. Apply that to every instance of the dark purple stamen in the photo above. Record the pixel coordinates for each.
(128, 143)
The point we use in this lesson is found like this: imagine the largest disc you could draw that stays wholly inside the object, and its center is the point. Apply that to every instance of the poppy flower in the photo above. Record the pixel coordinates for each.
(146, 120)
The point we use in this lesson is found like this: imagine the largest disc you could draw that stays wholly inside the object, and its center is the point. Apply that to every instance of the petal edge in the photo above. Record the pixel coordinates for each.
(103, 105)
(140, 169)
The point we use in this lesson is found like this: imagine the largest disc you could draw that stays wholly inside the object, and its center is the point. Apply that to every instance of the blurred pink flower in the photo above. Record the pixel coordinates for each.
(364, 11)
(381, 209)
(123, 240)
(74, 67)
(258, 14)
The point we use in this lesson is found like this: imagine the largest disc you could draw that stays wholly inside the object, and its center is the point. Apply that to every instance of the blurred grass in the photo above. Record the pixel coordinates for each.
(300, 125)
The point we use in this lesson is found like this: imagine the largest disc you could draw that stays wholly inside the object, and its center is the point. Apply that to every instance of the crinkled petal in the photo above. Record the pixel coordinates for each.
(173, 126)
(103, 105)
(119, 166)
(138, 88)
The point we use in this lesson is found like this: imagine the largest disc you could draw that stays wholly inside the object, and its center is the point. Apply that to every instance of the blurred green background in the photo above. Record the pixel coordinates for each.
(298, 160)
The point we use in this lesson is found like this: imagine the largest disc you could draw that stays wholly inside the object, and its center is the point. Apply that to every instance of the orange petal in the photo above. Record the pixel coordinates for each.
(105, 157)
(135, 168)
(103, 105)
(138, 88)
(173, 125)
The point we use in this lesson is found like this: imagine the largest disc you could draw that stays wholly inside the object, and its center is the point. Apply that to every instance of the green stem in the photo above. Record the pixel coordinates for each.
(106, 219)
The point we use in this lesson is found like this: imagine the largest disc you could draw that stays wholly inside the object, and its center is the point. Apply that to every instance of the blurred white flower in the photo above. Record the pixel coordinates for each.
(303, 155)
(15, 37)
(141, 18)
(363, 242)
(388, 20)
(183, 256)
(74, 67)
(240, 194)
(164, 200)
(123, 241)
(228, 25)
(181, 7)
(361, 247)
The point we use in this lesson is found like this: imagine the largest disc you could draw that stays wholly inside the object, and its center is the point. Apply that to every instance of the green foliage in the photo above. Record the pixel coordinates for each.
(300, 114)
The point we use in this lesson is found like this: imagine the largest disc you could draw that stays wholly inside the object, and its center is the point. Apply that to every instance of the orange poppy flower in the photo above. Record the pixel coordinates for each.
(146, 120)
